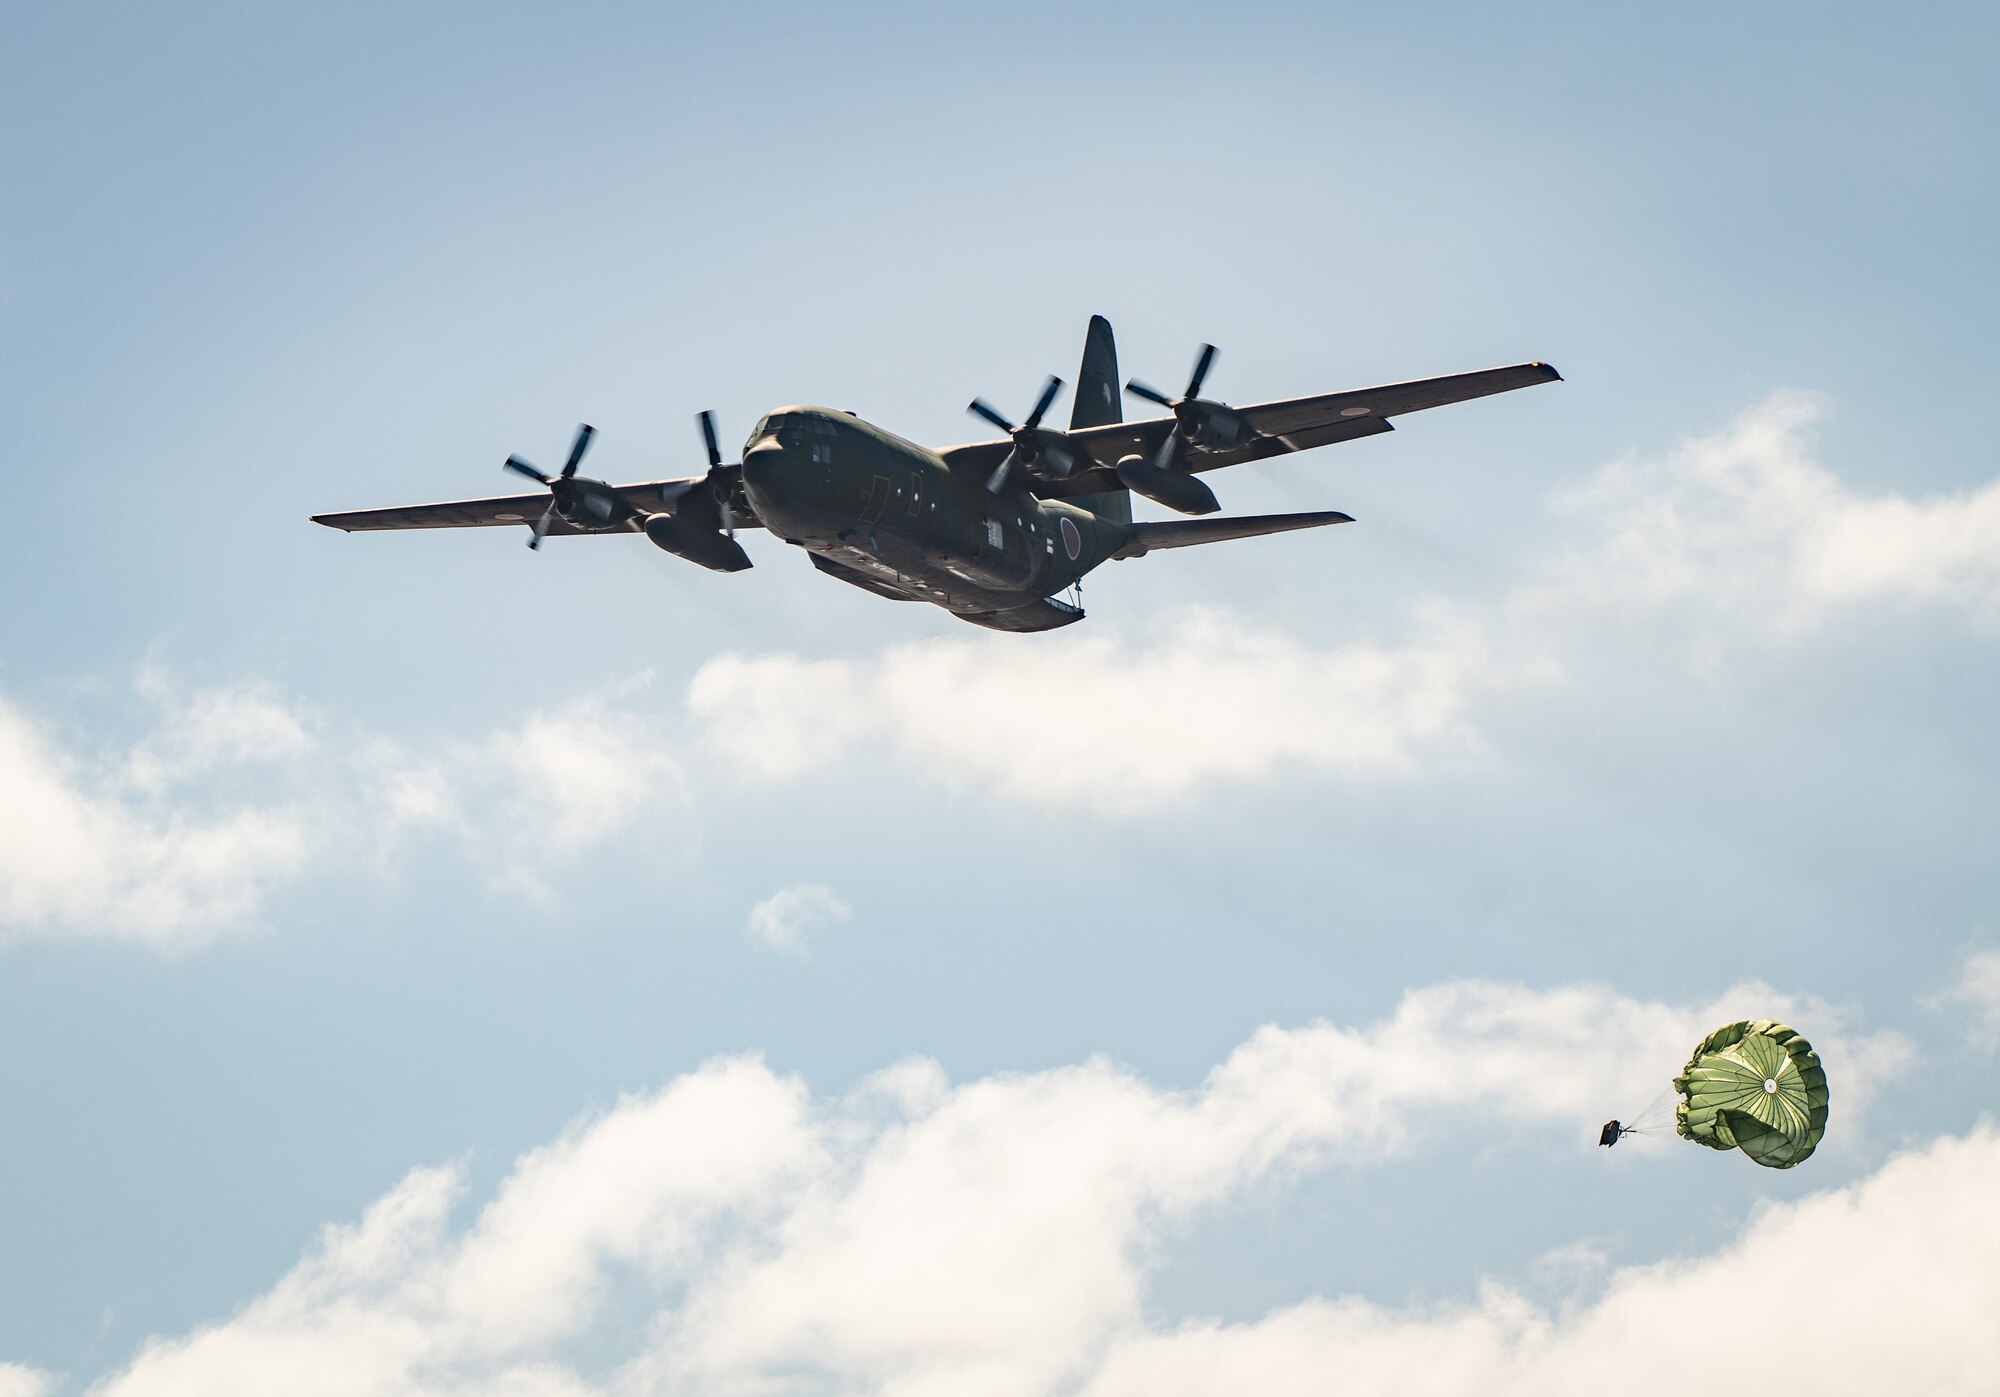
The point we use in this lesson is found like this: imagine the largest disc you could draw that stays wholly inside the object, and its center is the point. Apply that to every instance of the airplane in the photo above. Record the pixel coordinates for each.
(993, 531)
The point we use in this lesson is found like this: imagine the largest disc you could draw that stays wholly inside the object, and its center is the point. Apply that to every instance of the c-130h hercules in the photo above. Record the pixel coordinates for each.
(992, 531)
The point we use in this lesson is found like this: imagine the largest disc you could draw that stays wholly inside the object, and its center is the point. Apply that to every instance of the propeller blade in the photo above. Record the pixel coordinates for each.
(1148, 392)
(1058, 459)
(1049, 391)
(728, 519)
(583, 435)
(515, 463)
(1201, 364)
(707, 420)
(998, 479)
(1169, 449)
(541, 525)
(979, 407)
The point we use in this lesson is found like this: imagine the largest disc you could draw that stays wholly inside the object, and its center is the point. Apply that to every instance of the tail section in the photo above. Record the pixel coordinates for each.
(1097, 405)
(1185, 533)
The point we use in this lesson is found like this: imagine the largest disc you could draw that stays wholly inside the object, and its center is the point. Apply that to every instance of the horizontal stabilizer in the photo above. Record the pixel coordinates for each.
(1185, 533)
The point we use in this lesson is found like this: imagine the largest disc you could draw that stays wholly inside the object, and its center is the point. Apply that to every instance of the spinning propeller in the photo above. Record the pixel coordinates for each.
(1192, 413)
(584, 502)
(1033, 444)
(707, 420)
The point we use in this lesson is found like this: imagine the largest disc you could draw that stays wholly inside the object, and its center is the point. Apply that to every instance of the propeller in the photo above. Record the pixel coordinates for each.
(1187, 408)
(707, 420)
(1031, 443)
(567, 495)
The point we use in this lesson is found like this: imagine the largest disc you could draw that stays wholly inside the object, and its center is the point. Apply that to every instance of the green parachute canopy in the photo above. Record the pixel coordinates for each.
(1754, 1086)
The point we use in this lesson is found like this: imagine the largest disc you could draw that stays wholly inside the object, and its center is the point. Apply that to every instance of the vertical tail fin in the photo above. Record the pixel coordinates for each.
(1097, 403)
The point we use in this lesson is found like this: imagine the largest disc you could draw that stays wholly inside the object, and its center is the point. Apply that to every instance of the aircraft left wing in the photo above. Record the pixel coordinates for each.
(1290, 424)
(646, 496)
(1296, 417)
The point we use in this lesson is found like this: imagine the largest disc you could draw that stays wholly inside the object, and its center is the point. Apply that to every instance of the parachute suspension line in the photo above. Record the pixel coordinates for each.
(1654, 1119)
(1651, 1121)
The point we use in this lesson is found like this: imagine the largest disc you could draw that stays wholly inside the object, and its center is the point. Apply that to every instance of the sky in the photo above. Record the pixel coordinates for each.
(431, 967)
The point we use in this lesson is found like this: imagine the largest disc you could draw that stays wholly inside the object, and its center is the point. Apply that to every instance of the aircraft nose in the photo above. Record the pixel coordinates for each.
(763, 467)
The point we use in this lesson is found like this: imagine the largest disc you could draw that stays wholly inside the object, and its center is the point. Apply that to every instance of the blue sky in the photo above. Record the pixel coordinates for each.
(420, 874)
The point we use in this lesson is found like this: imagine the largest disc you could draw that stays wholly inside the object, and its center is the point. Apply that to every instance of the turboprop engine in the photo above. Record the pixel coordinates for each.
(1038, 449)
(1199, 422)
(702, 526)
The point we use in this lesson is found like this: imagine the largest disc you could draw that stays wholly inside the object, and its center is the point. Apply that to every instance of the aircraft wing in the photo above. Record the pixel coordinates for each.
(646, 496)
(1291, 424)
(1306, 417)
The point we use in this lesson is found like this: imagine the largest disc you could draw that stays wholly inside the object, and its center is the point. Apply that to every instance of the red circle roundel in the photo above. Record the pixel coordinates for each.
(1072, 540)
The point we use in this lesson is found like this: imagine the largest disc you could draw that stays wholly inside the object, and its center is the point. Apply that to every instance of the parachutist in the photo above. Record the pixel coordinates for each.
(1609, 1135)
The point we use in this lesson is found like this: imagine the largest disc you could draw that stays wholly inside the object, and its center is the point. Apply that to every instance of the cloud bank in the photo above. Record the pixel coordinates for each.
(1732, 540)
(183, 834)
(1748, 519)
(109, 849)
(17, 1380)
(731, 1234)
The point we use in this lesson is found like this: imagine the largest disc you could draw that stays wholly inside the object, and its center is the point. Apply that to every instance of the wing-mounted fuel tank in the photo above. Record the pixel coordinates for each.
(1175, 489)
(698, 542)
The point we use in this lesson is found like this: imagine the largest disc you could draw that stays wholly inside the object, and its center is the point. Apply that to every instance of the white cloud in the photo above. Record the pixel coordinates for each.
(999, 1235)
(183, 834)
(402, 1302)
(781, 920)
(205, 731)
(18, 1380)
(1978, 989)
(1089, 720)
(586, 768)
(81, 853)
(1748, 520)
(1888, 1285)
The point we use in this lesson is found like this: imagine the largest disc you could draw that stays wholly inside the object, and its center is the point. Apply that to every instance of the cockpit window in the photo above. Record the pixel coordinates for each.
(810, 422)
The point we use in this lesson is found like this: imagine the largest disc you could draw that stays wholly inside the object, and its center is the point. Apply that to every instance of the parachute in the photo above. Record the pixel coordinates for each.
(1754, 1086)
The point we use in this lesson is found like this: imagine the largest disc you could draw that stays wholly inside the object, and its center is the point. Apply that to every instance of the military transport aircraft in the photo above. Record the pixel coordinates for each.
(993, 531)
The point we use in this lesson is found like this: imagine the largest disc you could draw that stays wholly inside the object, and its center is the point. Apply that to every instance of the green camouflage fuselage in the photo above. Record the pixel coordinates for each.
(893, 518)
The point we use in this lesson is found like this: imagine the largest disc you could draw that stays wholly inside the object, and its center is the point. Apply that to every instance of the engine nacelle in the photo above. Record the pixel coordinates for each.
(1174, 489)
(709, 547)
(1214, 427)
(585, 503)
